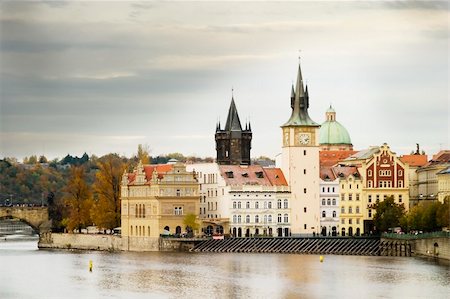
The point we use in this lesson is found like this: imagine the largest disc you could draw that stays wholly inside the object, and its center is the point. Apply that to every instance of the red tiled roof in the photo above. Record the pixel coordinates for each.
(161, 169)
(345, 171)
(328, 159)
(247, 175)
(414, 160)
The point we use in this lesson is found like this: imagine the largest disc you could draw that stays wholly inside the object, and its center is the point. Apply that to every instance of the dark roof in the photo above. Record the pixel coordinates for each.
(233, 122)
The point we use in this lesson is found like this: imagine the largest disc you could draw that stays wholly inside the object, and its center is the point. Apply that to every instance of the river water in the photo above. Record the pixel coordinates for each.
(26, 272)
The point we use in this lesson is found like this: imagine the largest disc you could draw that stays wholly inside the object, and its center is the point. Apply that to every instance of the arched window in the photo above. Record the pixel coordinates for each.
(323, 201)
(357, 209)
(342, 210)
(265, 218)
(334, 201)
(350, 210)
(239, 204)
(256, 219)
(247, 219)
(247, 205)
(323, 214)
(234, 205)
(334, 213)
(239, 219)
(269, 205)
(148, 231)
(256, 205)
(269, 218)
(286, 204)
(286, 218)
(279, 203)
(328, 201)
(234, 218)
(279, 218)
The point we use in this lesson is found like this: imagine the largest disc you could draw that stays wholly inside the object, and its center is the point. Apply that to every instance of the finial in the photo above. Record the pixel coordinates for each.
(299, 55)
(232, 92)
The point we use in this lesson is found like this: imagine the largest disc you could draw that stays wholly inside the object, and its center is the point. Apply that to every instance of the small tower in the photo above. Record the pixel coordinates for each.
(233, 144)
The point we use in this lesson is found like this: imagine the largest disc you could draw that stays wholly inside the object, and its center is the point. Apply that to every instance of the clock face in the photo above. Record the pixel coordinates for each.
(303, 138)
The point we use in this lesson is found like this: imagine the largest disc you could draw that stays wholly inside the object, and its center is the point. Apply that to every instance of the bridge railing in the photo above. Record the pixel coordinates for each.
(414, 236)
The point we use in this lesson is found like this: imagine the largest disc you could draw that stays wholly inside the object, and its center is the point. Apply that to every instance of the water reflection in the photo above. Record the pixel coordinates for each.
(31, 273)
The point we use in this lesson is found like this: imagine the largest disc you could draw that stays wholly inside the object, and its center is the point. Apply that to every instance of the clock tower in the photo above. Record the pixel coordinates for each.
(300, 162)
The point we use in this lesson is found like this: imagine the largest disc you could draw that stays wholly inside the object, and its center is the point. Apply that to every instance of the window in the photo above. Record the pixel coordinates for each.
(384, 197)
(357, 197)
(400, 184)
(304, 190)
(269, 218)
(304, 152)
(239, 204)
(400, 198)
(350, 196)
(178, 192)
(304, 226)
(256, 219)
(178, 210)
(234, 219)
(279, 203)
(328, 189)
(350, 186)
(357, 221)
(304, 209)
(259, 174)
(357, 186)
(350, 221)
(269, 204)
(256, 205)
(342, 221)
(247, 205)
(265, 205)
(323, 201)
(328, 202)
(234, 205)
(286, 204)
(334, 213)
(342, 210)
(342, 197)
(369, 184)
(369, 198)
(380, 184)
(369, 173)
(357, 209)
(265, 218)
(323, 214)
(332, 189)
(304, 171)
(334, 201)
(247, 219)
(279, 218)
(370, 213)
(378, 197)
(323, 189)
(350, 210)
(400, 172)
(286, 218)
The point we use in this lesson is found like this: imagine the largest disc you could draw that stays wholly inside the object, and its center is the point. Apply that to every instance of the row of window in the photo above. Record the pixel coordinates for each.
(350, 186)
(266, 204)
(350, 221)
(328, 201)
(369, 198)
(178, 211)
(350, 210)
(384, 172)
(264, 219)
(385, 184)
(139, 231)
(324, 214)
(328, 189)
(256, 195)
(139, 211)
(350, 196)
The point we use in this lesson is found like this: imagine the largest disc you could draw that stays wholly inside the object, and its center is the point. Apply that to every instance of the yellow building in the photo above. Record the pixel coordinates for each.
(155, 200)
(383, 174)
(443, 177)
(350, 201)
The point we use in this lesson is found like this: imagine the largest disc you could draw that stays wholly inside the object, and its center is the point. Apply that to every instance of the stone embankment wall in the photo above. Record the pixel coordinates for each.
(433, 247)
(112, 242)
(80, 241)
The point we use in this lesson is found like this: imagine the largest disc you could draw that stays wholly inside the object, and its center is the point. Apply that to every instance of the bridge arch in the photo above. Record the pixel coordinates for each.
(35, 217)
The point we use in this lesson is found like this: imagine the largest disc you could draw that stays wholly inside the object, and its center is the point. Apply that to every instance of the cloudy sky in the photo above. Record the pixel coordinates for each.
(106, 76)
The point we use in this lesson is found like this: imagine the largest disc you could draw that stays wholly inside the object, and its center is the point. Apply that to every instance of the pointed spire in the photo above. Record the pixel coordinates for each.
(233, 123)
(292, 96)
(249, 126)
(306, 96)
(299, 91)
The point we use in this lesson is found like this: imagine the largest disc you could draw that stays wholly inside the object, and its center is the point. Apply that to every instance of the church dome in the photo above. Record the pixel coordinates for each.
(332, 132)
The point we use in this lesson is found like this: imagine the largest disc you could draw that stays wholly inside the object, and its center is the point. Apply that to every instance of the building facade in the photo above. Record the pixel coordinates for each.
(155, 200)
(444, 184)
(427, 175)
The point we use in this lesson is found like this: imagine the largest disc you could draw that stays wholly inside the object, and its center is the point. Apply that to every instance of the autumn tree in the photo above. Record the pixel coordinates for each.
(106, 210)
(388, 214)
(78, 200)
(429, 216)
(143, 154)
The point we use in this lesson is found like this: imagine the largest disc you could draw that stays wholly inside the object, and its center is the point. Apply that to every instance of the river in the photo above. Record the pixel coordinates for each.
(26, 272)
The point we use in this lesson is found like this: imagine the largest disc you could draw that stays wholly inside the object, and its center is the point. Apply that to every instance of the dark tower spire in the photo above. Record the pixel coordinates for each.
(292, 96)
(232, 143)
(299, 116)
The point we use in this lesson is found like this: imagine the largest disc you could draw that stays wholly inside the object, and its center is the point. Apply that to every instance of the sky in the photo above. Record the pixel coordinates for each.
(101, 77)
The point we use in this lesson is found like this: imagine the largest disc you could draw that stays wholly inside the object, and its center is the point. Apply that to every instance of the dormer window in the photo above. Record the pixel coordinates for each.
(245, 175)
(229, 174)
(259, 174)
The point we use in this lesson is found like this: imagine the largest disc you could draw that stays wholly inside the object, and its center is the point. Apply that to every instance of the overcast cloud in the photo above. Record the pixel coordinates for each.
(103, 77)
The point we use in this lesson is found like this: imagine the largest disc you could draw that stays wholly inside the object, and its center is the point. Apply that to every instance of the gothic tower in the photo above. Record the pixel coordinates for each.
(300, 162)
(233, 144)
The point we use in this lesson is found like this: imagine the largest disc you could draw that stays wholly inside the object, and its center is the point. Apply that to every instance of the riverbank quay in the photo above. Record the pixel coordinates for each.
(435, 245)
(104, 242)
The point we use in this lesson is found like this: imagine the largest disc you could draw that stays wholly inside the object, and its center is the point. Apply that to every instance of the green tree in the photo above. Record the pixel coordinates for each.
(143, 154)
(78, 200)
(388, 214)
(106, 210)
(191, 224)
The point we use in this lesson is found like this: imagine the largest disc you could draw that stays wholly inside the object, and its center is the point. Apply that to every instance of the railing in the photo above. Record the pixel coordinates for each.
(414, 236)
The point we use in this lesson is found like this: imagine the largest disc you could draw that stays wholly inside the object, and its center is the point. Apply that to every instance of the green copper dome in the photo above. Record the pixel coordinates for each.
(332, 132)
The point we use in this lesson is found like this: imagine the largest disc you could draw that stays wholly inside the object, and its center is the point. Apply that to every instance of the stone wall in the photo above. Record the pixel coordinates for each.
(426, 247)
(80, 241)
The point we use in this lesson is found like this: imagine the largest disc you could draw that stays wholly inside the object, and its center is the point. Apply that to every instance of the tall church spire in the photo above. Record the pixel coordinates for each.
(233, 122)
(300, 105)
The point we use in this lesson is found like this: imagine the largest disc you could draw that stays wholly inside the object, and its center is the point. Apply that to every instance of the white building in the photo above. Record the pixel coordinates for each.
(329, 207)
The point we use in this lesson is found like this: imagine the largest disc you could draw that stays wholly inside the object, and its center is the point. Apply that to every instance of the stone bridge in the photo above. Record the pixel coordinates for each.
(36, 217)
